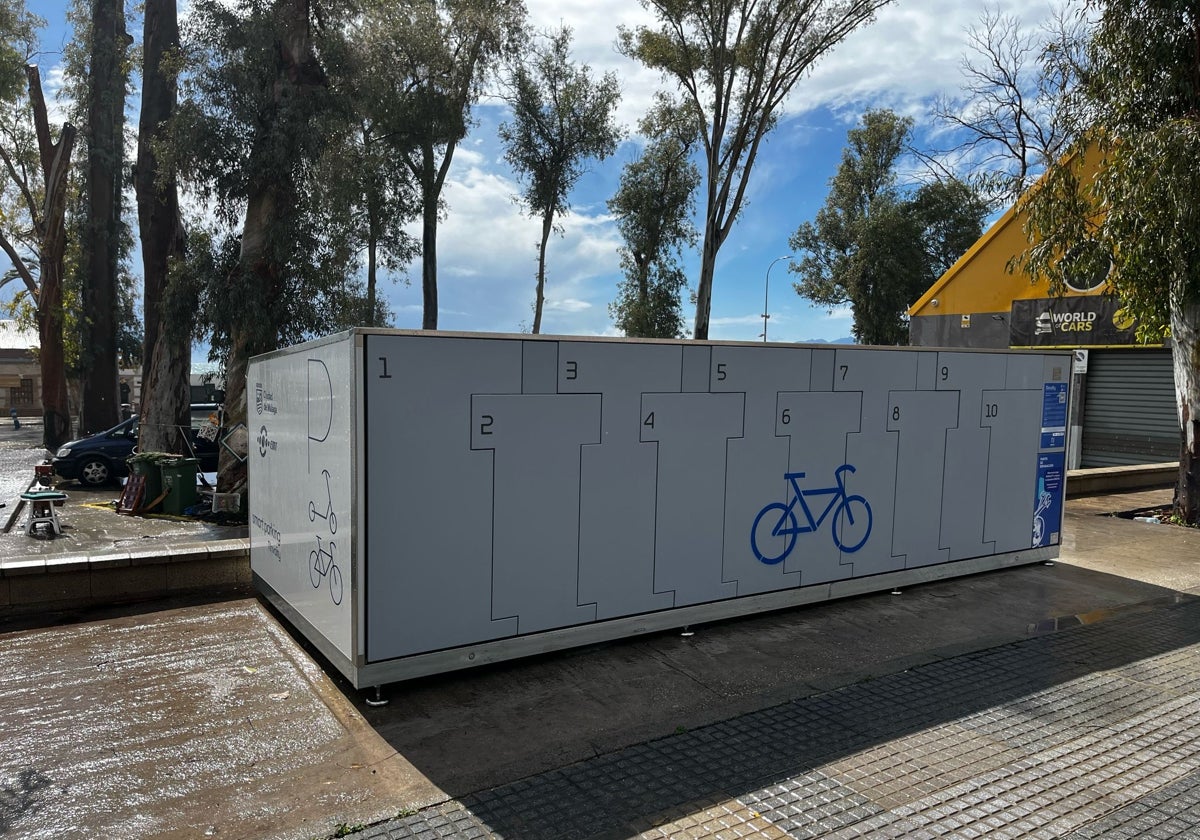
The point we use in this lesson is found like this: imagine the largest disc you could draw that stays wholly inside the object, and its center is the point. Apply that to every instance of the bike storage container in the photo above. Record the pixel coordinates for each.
(425, 502)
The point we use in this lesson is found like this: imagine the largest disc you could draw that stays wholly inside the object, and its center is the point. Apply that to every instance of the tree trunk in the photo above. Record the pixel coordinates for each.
(231, 477)
(165, 414)
(103, 248)
(1185, 333)
(55, 159)
(374, 234)
(166, 355)
(547, 227)
(298, 74)
(708, 260)
(429, 207)
(645, 323)
(56, 412)
(156, 208)
(259, 271)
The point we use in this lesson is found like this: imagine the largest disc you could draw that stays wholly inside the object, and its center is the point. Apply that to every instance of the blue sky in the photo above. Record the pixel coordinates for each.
(487, 245)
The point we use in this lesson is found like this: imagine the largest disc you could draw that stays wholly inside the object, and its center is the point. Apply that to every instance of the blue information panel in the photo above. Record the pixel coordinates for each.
(1047, 510)
(1053, 439)
(1054, 405)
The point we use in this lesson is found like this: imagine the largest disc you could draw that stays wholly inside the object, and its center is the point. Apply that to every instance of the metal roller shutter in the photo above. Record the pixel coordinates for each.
(1129, 409)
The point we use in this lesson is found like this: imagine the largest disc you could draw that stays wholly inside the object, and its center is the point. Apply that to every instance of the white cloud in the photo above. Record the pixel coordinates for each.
(567, 305)
(487, 260)
(736, 320)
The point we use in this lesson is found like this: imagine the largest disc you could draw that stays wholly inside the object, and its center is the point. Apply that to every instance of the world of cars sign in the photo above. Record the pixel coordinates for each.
(1076, 321)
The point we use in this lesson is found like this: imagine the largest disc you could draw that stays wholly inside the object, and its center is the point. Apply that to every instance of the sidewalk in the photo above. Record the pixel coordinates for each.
(1032, 701)
(1086, 733)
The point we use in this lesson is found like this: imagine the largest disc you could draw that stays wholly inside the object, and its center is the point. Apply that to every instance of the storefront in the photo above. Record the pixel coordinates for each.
(1124, 391)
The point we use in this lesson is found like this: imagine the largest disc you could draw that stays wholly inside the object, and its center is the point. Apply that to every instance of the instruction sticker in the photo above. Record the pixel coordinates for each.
(1054, 405)
(1054, 415)
(1047, 507)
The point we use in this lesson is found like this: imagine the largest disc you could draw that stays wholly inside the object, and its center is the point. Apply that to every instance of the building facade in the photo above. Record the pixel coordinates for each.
(1123, 392)
(20, 377)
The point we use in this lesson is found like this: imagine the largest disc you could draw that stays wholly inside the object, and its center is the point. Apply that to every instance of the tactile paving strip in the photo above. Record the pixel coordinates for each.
(1091, 732)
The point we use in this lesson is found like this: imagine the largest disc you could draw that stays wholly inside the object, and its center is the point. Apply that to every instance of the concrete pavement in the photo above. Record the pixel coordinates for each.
(1033, 701)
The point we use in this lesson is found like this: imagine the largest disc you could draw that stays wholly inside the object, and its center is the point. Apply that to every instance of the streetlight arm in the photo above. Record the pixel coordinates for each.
(767, 292)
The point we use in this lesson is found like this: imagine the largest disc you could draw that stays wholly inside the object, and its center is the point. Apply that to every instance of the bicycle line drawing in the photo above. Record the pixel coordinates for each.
(1043, 504)
(329, 516)
(322, 565)
(851, 525)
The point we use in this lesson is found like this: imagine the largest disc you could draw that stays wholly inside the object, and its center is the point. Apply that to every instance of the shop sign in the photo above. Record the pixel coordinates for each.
(1070, 322)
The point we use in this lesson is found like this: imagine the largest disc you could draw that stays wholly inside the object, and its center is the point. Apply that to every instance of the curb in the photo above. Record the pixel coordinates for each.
(34, 584)
(1100, 480)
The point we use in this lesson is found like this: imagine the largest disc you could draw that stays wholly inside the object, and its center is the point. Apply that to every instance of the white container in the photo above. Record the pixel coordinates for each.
(421, 502)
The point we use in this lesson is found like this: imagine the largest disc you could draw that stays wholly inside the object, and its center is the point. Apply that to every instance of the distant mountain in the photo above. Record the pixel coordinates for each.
(846, 340)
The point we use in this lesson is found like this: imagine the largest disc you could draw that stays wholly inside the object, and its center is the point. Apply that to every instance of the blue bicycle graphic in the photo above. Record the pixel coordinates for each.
(851, 519)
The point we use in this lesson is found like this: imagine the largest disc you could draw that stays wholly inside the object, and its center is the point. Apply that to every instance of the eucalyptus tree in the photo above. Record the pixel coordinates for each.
(166, 355)
(362, 181)
(427, 64)
(562, 118)
(653, 207)
(875, 244)
(1127, 202)
(34, 190)
(735, 62)
(254, 117)
(104, 228)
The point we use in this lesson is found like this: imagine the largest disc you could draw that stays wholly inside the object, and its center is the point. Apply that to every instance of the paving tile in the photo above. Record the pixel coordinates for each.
(1092, 732)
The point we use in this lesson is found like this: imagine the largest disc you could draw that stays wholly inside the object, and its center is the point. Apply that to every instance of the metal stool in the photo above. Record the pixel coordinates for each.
(42, 509)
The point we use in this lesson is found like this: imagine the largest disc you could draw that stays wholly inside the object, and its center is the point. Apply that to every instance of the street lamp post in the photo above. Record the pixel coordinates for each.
(767, 292)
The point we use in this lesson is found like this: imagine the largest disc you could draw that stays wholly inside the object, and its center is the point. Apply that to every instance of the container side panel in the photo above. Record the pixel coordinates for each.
(429, 505)
(518, 487)
(756, 461)
(300, 483)
(619, 474)
(872, 455)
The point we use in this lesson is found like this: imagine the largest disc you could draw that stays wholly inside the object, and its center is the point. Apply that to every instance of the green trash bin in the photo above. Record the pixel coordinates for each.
(149, 470)
(179, 480)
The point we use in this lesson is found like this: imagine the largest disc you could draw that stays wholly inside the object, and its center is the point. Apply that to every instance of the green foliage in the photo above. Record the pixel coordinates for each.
(562, 118)
(649, 302)
(421, 67)
(1137, 108)
(21, 188)
(735, 63)
(18, 42)
(1130, 195)
(245, 132)
(653, 207)
(876, 246)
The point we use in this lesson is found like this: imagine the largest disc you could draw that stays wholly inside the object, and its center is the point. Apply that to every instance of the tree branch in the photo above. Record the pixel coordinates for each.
(19, 265)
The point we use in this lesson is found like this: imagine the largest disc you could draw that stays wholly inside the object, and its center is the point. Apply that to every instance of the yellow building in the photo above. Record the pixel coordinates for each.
(1124, 392)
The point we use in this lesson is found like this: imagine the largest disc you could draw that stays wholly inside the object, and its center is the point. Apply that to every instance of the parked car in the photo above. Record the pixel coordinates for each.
(100, 459)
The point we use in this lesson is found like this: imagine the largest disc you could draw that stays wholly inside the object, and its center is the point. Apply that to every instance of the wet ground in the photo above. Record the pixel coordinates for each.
(89, 520)
(20, 449)
(203, 722)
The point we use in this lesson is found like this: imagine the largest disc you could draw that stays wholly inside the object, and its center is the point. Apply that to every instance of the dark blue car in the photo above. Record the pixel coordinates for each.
(100, 459)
